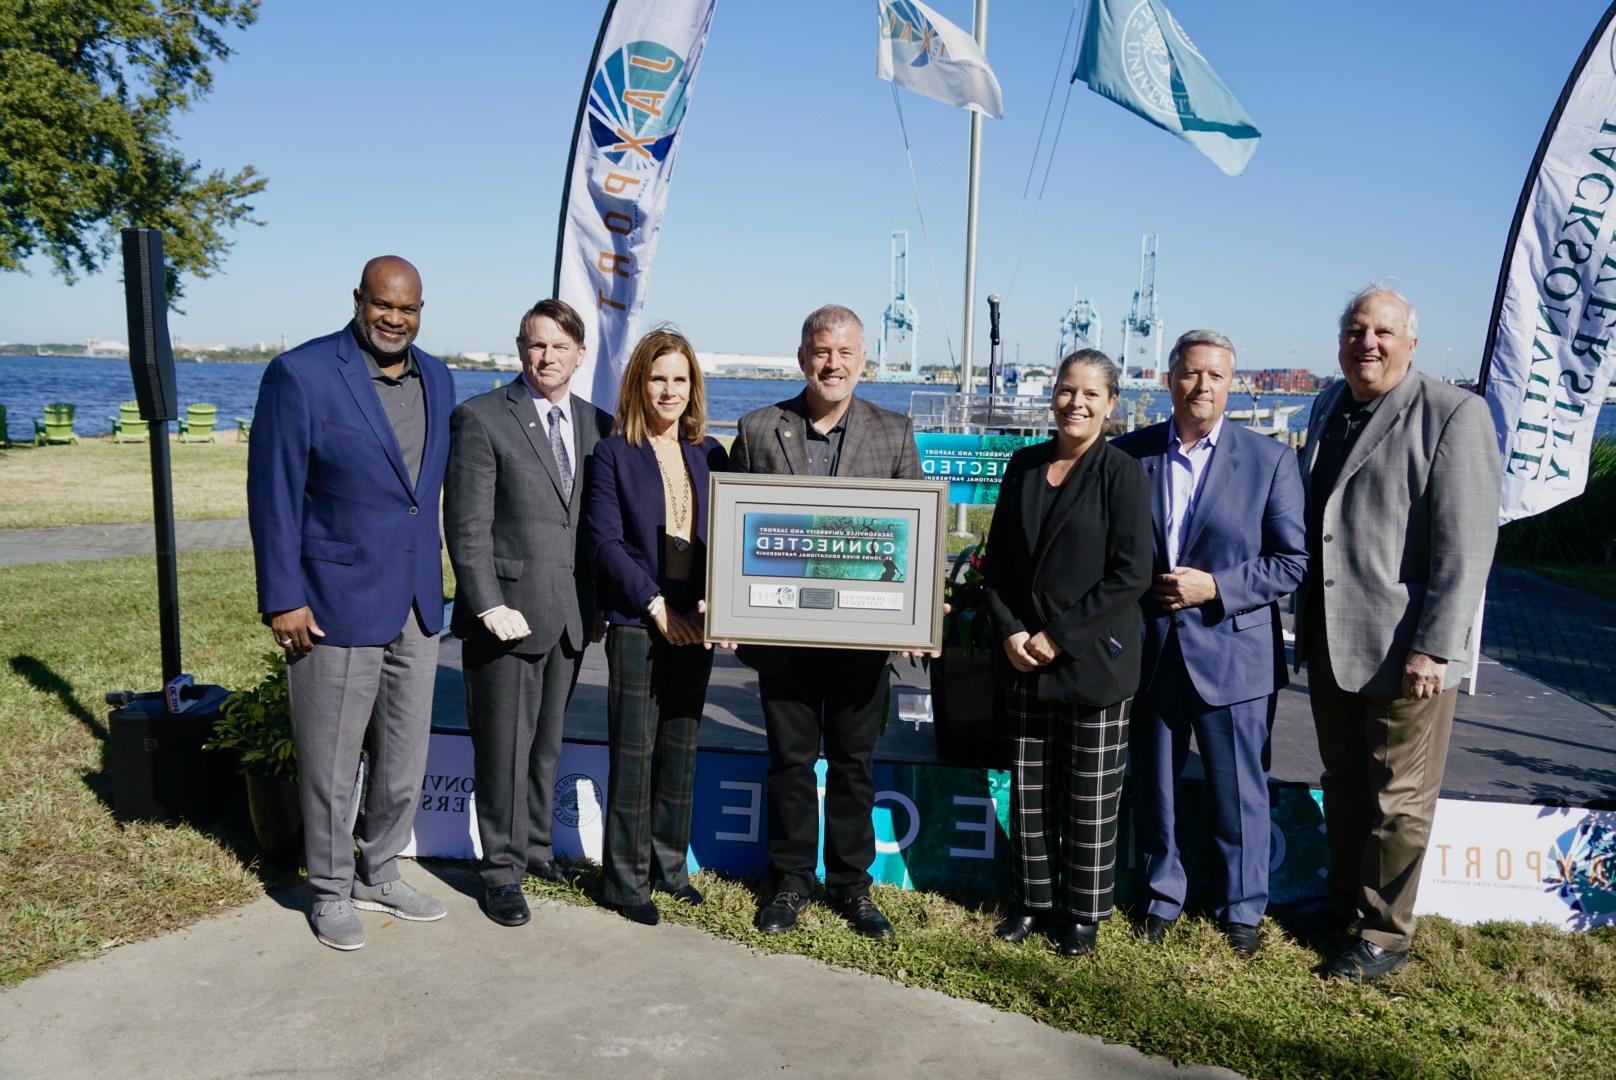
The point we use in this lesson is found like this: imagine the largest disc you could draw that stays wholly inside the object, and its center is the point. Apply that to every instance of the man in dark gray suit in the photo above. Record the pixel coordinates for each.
(524, 593)
(1402, 477)
(837, 695)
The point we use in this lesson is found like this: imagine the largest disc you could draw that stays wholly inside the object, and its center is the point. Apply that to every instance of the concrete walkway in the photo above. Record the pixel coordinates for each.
(577, 993)
(77, 543)
(1555, 634)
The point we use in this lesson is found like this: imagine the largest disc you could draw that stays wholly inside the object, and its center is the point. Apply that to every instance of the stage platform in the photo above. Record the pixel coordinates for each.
(1525, 830)
(1515, 740)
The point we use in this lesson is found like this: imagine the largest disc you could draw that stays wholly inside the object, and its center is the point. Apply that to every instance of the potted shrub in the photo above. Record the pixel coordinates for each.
(257, 723)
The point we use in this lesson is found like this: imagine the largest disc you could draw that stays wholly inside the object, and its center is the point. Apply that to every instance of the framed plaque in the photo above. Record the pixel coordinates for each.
(832, 561)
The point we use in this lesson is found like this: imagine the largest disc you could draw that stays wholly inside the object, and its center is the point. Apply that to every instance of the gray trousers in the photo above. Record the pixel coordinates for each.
(376, 697)
(516, 705)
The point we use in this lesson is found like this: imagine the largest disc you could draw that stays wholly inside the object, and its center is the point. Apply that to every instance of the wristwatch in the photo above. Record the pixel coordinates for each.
(653, 606)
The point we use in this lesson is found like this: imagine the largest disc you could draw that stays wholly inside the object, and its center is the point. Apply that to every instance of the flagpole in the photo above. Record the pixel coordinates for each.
(979, 29)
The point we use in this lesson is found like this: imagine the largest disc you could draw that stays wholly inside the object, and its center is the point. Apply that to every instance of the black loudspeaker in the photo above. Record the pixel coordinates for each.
(151, 357)
(159, 769)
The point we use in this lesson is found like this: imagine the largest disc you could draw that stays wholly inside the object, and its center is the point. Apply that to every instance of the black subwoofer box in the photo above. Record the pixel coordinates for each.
(159, 769)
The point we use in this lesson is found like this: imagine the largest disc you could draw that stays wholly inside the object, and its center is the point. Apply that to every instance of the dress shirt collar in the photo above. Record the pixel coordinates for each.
(542, 404)
(1207, 442)
(410, 366)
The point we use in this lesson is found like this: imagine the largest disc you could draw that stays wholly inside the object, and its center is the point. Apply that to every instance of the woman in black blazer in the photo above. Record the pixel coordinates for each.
(1069, 556)
(647, 514)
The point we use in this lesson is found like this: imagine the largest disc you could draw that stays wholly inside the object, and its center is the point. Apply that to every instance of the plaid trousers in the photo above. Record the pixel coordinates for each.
(654, 699)
(1065, 800)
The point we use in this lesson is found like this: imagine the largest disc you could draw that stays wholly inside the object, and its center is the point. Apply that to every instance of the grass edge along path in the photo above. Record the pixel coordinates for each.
(1494, 1000)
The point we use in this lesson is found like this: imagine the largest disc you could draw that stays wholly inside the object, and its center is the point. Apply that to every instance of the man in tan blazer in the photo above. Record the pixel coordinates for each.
(838, 695)
(1402, 476)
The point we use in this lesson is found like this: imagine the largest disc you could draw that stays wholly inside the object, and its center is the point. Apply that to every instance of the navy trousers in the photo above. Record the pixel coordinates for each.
(1233, 741)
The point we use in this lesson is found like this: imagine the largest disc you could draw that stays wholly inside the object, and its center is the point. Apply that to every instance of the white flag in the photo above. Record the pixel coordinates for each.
(1551, 350)
(633, 108)
(920, 50)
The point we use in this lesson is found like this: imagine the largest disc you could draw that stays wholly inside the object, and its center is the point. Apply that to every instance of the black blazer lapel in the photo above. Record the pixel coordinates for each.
(696, 464)
(1066, 500)
(356, 374)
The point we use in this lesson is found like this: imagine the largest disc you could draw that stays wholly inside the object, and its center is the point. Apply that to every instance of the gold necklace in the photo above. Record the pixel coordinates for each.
(678, 495)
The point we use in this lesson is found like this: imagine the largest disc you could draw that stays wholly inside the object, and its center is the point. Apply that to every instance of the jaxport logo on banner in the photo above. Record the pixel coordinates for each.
(1148, 65)
(906, 24)
(636, 102)
(1584, 858)
(631, 113)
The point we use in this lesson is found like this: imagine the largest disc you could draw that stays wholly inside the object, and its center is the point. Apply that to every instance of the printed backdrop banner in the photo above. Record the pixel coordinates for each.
(971, 465)
(1548, 356)
(633, 108)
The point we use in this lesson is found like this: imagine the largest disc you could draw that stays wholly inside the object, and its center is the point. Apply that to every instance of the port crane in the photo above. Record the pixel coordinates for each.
(900, 322)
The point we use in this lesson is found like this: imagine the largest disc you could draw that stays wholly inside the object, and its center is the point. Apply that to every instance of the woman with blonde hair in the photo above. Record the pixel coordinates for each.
(646, 509)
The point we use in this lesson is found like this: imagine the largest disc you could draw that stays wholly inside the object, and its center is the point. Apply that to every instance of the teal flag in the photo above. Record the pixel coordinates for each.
(1135, 53)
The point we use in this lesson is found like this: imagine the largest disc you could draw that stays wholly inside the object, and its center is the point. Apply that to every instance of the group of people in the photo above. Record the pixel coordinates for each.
(1134, 584)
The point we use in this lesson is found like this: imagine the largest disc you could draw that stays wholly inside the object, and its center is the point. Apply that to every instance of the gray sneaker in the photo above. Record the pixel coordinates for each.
(336, 925)
(400, 899)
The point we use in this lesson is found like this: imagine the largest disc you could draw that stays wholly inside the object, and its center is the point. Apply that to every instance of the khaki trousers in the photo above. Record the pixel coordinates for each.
(1383, 764)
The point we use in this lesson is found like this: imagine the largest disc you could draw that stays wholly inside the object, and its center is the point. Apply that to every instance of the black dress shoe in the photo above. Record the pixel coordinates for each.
(685, 894)
(1078, 938)
(506, 905)
(1364, 962)
(550, 871)
(1156, 928)
(645, 914)
(864, 917)
(1242, 938)
(1018, 924)
(779, 916)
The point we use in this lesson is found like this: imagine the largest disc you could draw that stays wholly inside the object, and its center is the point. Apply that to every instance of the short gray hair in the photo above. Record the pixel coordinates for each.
(829, 317)
(1369, 292)
(1093, 358)
(1191, 338)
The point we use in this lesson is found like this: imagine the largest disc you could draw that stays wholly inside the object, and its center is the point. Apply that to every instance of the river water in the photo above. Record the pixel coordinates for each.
(97, 385)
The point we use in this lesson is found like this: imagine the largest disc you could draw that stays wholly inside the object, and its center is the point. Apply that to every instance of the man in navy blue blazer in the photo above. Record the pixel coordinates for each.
(350, 440)
(1229, 542)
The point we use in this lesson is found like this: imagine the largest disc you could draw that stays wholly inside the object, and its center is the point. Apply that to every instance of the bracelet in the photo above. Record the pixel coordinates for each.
(653, 607)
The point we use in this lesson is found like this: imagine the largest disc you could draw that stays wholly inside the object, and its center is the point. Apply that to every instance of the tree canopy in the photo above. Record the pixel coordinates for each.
(88, 93)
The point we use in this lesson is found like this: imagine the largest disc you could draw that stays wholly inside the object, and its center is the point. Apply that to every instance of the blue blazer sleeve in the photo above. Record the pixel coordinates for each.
(277, 471)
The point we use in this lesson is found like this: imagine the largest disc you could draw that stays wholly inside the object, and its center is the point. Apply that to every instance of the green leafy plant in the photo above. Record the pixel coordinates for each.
(258, 723)
(1580, 530)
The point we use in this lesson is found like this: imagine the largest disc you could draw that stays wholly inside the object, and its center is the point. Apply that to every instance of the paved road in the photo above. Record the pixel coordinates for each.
(77, 543)
(578, 993)
(1555, 634)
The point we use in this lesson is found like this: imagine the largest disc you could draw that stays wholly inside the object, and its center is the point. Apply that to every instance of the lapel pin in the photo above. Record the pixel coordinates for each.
(785, 435)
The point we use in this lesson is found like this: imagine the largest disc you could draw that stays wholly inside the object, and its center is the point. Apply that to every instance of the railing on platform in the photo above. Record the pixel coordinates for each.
(936, 410)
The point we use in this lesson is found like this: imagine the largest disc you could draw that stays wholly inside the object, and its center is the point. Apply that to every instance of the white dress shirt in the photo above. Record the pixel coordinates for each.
(1181, 485)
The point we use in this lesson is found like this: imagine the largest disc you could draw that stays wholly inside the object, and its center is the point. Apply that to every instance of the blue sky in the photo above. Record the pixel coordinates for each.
(1396, 139)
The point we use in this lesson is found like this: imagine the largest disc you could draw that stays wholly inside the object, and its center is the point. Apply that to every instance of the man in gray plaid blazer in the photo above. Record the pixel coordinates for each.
(1402, 476)
(838, 695)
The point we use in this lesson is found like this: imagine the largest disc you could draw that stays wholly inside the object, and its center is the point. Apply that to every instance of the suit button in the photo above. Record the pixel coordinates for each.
(414, 510)
(1179, 623)
(566, 524)
(1329, 583)
(1328, 538)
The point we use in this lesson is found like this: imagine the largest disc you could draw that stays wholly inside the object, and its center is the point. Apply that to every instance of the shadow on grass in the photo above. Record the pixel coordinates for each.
(42, 677)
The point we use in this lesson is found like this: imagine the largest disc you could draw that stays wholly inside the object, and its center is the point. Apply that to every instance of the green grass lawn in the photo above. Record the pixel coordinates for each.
(1596, 578)
(99, 482)
(72, 879)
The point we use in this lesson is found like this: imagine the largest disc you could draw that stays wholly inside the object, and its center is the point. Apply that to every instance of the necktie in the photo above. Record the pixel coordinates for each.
(558, 447)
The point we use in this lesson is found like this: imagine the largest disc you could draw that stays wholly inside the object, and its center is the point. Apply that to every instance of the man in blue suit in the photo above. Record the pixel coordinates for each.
(1229, 542)
(343, 479)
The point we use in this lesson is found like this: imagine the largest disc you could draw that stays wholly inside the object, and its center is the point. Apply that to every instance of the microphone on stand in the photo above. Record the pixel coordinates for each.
(993, 344)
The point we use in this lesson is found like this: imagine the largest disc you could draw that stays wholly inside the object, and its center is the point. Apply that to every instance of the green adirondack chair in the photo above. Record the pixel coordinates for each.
(57, 426)
(128, 425)
(5, 433)
(197, 423)
(243, 429)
